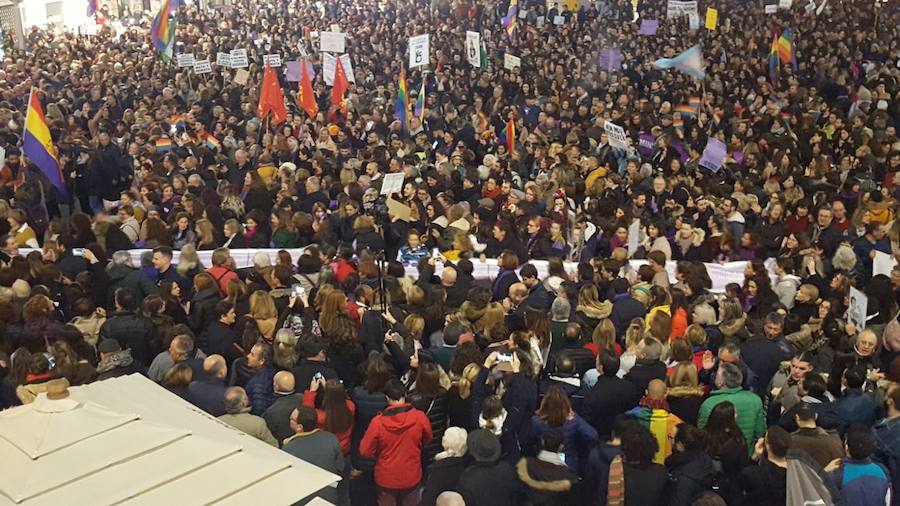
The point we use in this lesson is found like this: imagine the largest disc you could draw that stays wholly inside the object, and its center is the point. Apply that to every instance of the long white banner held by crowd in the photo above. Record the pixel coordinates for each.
(720, 274)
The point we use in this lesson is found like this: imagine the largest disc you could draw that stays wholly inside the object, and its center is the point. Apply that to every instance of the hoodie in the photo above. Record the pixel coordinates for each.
(395, 439)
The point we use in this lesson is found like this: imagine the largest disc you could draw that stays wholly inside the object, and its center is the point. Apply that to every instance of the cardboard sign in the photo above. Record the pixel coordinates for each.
(392, 183)
(511, 61)
(419, 51)
(239, 59)
(202, 67)
(185, 60)
(617, 138)
(473, 49)
(398, 209)
(242, 76)
(223, 59)
(274, 60)
(332, 42)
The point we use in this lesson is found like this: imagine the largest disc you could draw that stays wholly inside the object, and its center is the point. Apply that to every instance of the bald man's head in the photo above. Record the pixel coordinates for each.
(284, 382)
(214, 366)
(450, 498)
(656, 389)
(236, 401)
(448, 276)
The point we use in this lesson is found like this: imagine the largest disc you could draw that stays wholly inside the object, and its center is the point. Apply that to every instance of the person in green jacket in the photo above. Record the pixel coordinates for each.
(284, 234)
(747, 405)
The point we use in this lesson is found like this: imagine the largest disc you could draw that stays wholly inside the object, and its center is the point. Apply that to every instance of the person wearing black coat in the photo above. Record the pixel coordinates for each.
(367, 239)
(203, 309)
(489, 481)
(648, 365)
(130, 329)
(691, 470)
(625, 307)
(107, 172)
(312, 362)
(609, 397)
(125, 276)
(220, 338)
(427, 396)
(546, 479)
(370, 400)
(519, 400)
(444, 473)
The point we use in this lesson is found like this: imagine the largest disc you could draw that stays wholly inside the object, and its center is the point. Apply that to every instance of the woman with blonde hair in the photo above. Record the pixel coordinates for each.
(461, 247)
(263, 312)
(696, 336)
(284, 350)
(603, 338)
(633, 335)
(206, 236)
(685, 395)
(590, 311)
(732, 320)
(189, 264)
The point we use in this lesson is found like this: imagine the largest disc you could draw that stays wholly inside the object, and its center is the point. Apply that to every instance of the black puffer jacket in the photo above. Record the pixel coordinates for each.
(690, 474)
(132, 331)
(368, 404)
(202, 307)
(437, 411)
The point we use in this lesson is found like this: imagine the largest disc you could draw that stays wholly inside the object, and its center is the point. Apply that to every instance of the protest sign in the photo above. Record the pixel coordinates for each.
(883, 263)
(274, 60)
(202, 67)
(610, 59)
(242, 76)
(858, 309)
(473, 49)
(677, 8)
(511, 61)
(785, 4)
(712, 18)
(239, 59)
(616, 135)
(185, 60)
(329, 65)
(771, 9)
(559, 20)
(693, 21)
(398, 210)
(634, 235)
(223, 59)
(649, 27)
(646, 145)
(419, 49)
(713, 154)
(331, 42)
(392, 183)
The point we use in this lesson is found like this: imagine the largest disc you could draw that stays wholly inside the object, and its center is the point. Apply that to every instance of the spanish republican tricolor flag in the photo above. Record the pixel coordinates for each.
(38, 146)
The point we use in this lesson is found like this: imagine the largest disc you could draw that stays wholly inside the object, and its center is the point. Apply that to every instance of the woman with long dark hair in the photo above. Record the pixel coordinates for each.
(556, 413)
(334, 410)
(725, 443)
(429, 395)
(171, 295)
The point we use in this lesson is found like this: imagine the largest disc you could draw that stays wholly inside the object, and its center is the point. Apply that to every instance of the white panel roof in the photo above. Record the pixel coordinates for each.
(129, 441)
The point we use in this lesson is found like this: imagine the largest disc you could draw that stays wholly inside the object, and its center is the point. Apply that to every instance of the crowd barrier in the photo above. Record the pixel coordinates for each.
(720, 274)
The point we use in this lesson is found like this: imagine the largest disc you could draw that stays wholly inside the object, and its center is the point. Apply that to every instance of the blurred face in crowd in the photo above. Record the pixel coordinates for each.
(799, 368)
(824, 218)
(866, 344)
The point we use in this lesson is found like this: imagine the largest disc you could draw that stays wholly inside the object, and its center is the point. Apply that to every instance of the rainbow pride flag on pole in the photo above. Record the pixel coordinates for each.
(402, 106)
(162, 31)
(509, 21)
(689, 109)
(38, 146)
(163, 145)
(212, 143)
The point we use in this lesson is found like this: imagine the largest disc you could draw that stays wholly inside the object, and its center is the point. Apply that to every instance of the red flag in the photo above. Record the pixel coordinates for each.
(306, 97)
(271, 100)
(340, 85)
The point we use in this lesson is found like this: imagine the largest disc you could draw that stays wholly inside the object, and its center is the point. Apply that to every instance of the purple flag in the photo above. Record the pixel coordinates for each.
(294, 71)
(713, 154)
(610, 59)
(646, 145)
(682, 151)
(649, 27)
(738, 157)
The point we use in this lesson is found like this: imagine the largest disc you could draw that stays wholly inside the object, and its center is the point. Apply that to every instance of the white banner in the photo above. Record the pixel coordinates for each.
(185, 60)
(616, 135)
(328, 66)
(332, 42)
(239, 59)
(419, 51)
(473, 49)
(202, 67)
(223, 59)
(678, 8)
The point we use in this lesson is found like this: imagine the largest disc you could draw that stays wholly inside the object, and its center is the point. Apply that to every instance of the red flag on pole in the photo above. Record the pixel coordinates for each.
(340, 85)
(271, 100)
(306, 96)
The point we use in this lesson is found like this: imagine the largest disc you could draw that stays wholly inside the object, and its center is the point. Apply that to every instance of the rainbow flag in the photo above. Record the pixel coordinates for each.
(483, 122)
(786, 51)
(419, 109)
(689, 109)
(37, 144)
(773, 60)
(512, 15)
(402, 106)
(213, 143)
(162, 31)
(177, 121)
(507, 136)
(163, 145)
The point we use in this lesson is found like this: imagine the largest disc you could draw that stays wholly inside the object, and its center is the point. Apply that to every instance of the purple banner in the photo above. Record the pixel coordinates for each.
(646, 145)
(610, 59)
(649, 27)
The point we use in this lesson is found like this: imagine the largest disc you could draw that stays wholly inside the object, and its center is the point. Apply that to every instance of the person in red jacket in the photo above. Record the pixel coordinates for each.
(220, 271)
(335, 411)
(395, 439)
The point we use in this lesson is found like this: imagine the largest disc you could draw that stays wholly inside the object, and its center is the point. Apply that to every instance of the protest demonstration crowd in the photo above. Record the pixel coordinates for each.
(602, 157)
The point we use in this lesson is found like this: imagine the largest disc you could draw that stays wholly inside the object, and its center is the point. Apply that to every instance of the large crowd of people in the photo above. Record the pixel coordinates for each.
(367, 347)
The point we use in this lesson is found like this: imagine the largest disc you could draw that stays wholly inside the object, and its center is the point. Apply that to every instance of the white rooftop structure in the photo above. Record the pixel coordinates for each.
(129, 441)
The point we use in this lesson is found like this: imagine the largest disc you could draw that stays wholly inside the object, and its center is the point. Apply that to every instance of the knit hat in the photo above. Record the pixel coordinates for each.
(484, 446)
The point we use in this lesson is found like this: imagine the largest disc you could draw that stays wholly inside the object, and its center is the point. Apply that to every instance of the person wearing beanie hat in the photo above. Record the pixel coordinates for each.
(444, 473)
(488, 480)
